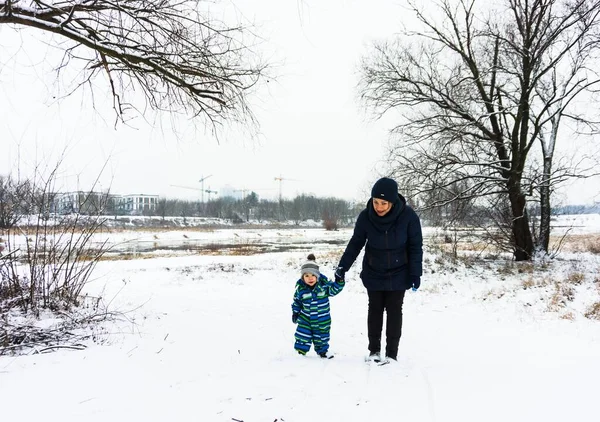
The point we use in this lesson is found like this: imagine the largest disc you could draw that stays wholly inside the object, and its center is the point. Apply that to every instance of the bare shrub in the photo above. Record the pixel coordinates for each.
(469, 261)
(46, 262)
(51, 268)
(20, 333)
(329, 223)
(441, 251)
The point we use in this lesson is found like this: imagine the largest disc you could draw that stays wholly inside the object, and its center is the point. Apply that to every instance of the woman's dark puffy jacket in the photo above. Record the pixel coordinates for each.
(393, 247)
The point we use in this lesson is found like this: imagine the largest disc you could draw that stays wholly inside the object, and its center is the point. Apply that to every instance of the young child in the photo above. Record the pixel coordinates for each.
(310, 309)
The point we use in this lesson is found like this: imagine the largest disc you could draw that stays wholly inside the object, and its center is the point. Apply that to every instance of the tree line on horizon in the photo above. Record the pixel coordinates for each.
(479, 93)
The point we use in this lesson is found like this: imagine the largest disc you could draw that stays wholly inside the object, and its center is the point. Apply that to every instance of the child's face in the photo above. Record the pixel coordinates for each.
(309, 279)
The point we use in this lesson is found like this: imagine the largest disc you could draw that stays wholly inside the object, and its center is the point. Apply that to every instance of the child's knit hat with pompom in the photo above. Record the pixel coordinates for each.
(310, 267)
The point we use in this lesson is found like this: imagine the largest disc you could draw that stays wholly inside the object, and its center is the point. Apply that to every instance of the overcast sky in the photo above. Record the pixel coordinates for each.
(312, 129)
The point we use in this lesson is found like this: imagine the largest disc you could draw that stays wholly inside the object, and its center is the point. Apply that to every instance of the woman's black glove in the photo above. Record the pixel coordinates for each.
(339, 274)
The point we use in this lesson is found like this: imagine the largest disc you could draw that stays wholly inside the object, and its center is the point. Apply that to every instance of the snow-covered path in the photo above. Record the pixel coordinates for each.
(211, 339)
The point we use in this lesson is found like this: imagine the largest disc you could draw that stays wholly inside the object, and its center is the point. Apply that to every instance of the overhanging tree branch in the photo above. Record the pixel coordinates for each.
(183, 60)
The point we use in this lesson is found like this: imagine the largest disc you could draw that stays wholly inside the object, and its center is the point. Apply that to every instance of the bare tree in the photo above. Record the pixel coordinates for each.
(249, 203)
(161, 208)
(13, 204)
(554, 100)
(181, 58)
(333, 210)
(304, 207)
(468, 89)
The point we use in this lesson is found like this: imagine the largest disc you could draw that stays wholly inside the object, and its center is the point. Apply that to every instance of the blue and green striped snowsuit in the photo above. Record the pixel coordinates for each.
(314, 319)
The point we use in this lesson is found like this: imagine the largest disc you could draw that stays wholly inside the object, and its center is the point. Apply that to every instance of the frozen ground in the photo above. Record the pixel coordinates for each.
(210, 338)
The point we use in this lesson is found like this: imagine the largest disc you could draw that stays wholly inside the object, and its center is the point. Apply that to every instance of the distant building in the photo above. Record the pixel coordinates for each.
(94, 203)
(229, 191)
(135, 204)
(79, 202)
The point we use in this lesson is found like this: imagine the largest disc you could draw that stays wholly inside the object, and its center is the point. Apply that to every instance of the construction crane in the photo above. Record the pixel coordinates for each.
(202, 179)
(280, 179)
(202, 190)
(210, 192)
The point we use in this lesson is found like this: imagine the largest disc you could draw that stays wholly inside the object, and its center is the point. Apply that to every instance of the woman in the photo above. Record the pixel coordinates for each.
(390, 231)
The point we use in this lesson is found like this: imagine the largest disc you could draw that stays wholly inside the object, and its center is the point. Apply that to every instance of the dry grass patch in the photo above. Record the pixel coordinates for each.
(593, 247)
(576, 278)
(568, 315)
(563, 294)
(533, 282)
(473, 246)
(329, 256)
(469, 261)
(593, 311)
(439, 260)
(528, 283)
(494, 294)
(527, 267)
(579, 243)
(508, 268)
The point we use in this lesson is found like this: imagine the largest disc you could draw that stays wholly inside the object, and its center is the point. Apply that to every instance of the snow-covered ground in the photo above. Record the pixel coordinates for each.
(210, 338)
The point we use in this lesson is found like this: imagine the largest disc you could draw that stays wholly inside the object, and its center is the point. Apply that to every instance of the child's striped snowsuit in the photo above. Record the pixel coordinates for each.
(314, 319)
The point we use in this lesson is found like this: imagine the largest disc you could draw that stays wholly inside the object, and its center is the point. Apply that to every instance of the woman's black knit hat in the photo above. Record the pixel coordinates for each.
(385, 188)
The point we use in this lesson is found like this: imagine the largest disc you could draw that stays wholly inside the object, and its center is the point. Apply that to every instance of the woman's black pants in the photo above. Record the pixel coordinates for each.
(391, 302)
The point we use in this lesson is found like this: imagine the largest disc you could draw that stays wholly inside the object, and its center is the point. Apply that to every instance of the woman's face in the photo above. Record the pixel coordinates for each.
(381, 206)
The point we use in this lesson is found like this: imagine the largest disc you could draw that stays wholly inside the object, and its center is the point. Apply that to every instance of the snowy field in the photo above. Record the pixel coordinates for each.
(210, 338)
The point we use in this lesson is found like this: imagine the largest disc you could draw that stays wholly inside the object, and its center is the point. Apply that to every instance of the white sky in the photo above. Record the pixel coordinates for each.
(210, 338)
(312, 129)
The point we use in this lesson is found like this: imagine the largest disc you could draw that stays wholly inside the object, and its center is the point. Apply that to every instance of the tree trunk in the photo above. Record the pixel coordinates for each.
(523, 241)
(545, 209)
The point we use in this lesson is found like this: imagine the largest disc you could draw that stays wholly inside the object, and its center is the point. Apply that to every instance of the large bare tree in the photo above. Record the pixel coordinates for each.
(476, 90)
(173, 51)
(560, 99)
